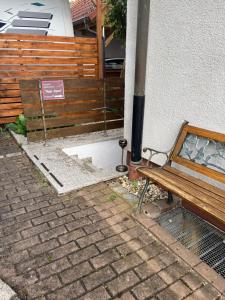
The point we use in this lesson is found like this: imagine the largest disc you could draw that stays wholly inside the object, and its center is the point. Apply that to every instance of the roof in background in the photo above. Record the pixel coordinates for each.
(84, 8)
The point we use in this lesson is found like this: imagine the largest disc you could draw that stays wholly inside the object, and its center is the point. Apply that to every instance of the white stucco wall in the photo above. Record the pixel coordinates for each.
(185, 69)
(60, 24)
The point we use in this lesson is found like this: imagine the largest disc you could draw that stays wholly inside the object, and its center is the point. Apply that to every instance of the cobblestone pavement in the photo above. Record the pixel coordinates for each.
(84, 245)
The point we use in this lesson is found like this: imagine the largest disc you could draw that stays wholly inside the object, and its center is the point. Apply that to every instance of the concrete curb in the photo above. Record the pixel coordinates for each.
(6, 293)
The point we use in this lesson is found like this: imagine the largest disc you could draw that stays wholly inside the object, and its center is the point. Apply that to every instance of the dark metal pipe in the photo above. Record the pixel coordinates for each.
(140, 74)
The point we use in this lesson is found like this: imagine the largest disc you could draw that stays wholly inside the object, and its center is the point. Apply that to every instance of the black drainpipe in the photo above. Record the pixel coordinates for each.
(140, 74)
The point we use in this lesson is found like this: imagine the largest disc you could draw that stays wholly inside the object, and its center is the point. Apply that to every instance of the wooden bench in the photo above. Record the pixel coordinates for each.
(201, 151)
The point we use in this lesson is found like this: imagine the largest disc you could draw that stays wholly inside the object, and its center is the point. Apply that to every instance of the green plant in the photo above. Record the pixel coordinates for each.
(19, 126)
(112, 197)
(116, 18)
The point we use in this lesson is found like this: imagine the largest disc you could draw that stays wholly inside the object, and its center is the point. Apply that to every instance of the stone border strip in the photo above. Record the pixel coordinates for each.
(215, 279)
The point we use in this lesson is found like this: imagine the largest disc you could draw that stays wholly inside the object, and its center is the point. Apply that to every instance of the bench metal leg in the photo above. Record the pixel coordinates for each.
(141, 197)
(170, 198)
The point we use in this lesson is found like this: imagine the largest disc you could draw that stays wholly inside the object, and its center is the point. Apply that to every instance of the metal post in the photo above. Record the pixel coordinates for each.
(104, 83)
(140, 74)
(42, 111)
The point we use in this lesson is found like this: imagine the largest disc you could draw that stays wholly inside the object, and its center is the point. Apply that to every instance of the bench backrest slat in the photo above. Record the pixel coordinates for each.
(202, 151)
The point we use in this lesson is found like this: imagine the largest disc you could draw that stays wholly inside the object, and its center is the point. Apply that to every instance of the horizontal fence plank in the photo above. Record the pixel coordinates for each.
(9, 93)
(10, 112)
(11, 106)
(46, 46)
(10, 100)
(46, 74)
(7, 120)
(29, 37)
(7, 86)
(60, 121)
(48, 61)
(62, 132)
(27, 53)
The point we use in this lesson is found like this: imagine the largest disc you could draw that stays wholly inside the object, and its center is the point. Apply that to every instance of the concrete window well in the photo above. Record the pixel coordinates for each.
(74, 162)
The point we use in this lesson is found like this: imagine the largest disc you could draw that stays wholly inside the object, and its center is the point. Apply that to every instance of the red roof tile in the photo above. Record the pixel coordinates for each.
(82, 8)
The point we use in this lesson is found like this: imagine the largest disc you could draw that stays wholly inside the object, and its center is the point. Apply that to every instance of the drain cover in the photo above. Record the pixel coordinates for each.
(197, 235)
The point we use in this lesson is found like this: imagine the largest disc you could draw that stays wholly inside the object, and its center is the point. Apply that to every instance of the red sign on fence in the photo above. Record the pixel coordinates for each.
(52, 89)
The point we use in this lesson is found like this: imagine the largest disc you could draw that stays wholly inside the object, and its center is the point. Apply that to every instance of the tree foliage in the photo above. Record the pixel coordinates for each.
(116, 17)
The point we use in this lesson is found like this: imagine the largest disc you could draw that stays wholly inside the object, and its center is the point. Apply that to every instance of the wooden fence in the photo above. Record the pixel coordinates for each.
(81, 111)
(30, 57)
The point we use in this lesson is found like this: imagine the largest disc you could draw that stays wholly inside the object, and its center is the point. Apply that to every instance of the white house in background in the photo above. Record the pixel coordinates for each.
(41, 17)
(185, 77)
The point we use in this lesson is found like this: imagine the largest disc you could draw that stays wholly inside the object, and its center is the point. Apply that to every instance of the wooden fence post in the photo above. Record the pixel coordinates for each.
(99, 37)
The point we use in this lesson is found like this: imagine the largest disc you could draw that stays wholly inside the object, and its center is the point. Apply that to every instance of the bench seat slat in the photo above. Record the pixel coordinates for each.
(208, 187)
(206, 192)
(181, 188)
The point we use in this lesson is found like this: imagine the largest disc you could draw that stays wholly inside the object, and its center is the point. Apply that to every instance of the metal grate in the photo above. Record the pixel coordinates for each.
(197, 235)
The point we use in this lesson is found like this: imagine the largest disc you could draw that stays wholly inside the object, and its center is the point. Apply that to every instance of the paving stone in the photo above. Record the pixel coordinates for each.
(24, 244)
(84, 213)
(100, 216)
(149, 287)
(150, 251)
(24, 279)
(167, 257)
(109, 243)
(97, 227)
(105, 258)
(78, 224)
(60, 221)
(67, 211)
(176, 291)
(127, 262)
(66, 292)
(37, 206)
(205, 292)
(193, 280)
(82, 255)
(90, 239)
(122, 282)
(34, 230)
(76, 272)
(53, 233)
(53, 268)
(173, 272)
(44, 247)
(17, 257)
(43, 219)
(114, 229)
(150, 267)
(52, 208)
(62, 251)
(130, 247)
(98, 294)
(14, 213)
(71, 236)
(12, 238)
(126, 296)
(17, 227)
(98, 278)
(28, 216)
(43, 287)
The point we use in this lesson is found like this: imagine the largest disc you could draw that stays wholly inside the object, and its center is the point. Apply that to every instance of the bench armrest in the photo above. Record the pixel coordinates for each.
(154, 152)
